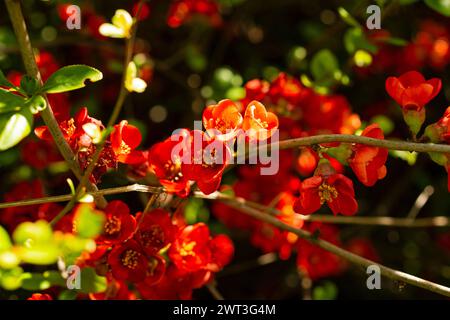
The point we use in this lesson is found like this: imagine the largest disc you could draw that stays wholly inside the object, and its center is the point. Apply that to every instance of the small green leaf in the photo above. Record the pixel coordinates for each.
(41, 281)
(409, 157)
(40, 254)
(327, 291)
(10, 102)
(29, 85)
(35, 232)
(91, 282)
(88, 222)
(4, 82)
(347, 17)
(14, 127)
(355, 39)
(324, 66)
(68, 295)
(36, 104)
(5, 241)
(71, 78)
(441, 6)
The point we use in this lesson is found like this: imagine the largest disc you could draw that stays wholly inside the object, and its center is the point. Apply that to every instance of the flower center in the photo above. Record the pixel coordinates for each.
(173, 170)
(154, 237)
(187, 248)
(112, 226)
(124, 148)
(327, 193)
(130, 259)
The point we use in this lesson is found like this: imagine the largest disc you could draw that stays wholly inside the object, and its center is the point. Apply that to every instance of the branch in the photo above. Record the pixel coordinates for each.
(353, 258)
(348, 138)
(26, 50)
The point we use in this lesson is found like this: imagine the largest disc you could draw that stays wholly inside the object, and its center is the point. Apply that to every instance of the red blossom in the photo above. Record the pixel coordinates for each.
(205, 161)
(168, 169)
(222, 120)
(155, 230)
(258, 122)
(336, 190)
(124, 139)
(40, 296)
(119, 224)
(367, 162)
(411, 91)
(128, 262)
(181, 11)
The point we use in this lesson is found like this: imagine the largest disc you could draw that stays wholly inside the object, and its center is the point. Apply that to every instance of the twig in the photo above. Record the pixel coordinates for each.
(353, 258)
(26, 50)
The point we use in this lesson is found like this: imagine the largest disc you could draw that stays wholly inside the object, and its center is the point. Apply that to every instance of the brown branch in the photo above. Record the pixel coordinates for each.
(353, 258)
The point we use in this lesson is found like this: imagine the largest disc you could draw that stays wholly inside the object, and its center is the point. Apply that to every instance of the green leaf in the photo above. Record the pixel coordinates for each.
(327, 291)
(355, 39)
(89, 222)
(34, 232)
(68, 295)
(347, 17)
(4, 82)
(14, 127)
(91, 282)
(36, 104)
(41, 281)
(29, 85)
(71, 78)
(11, 279)
(441, 6)
(40, 254)
(5, 241)
(324, 67)
(409, 157)
(10, 102)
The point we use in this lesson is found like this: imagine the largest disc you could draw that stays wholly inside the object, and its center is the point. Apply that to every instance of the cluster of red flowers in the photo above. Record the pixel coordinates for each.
(430, 47)
(181, 11)
(83, 132)
(163, 258)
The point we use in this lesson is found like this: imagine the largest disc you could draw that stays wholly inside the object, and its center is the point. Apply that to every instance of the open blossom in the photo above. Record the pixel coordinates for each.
(258, 122)
(367, 162)
(194, 249)
(336, 190)
(222, 120)
(128, 262)
(155, 231)
(205, 161)
(411, 91)
(166, 168)
(124, 140)
(119, 224)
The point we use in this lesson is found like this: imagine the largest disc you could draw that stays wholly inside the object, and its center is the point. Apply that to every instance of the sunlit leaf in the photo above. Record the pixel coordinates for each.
(88, 222)
(14, 127)
(441, 6)
(91, 282)
(5, 242)
(33, 233)
(71, 78)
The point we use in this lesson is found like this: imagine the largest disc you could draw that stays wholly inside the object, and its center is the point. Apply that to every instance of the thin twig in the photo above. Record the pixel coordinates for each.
(353, 258)
(26, 50)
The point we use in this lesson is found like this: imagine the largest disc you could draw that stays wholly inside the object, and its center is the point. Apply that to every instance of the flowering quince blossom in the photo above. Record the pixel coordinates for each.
(128, 262)
(222, 120)
(155, 231)
(120, 27)
(40, 296)
(258, 122)
(124, 140)
(194, 249)
(367, 162)
(119, 224)
(181, 11)
(411, 91)
(167, 169)
(335, 189)
(204, 161)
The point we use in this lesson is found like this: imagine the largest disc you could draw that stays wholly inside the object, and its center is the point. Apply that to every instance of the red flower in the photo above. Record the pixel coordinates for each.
(155, 271)
(128, 262)
(255, 89)
(39, 154)
(40, 296)
(182, 11)
(205, 161)
(411, 91)
(124, 139)
(222, 120)
(119, 225)
(367, 162)
(258, 123)
(222, 251)
(287, 88)
(155, 231)
(168, 169)
(336, 190)
(190, 251)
